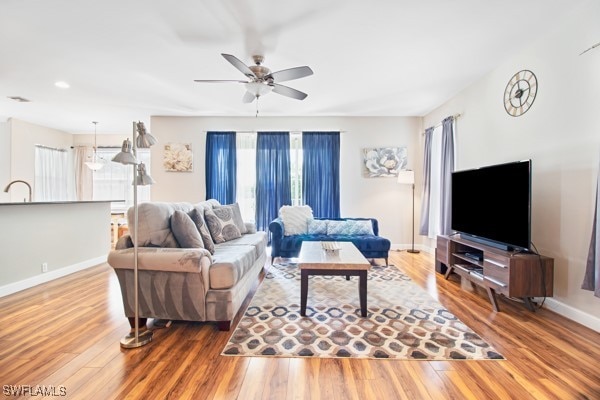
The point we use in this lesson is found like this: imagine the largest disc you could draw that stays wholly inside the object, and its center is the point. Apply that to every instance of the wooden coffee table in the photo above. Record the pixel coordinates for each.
(347, 261)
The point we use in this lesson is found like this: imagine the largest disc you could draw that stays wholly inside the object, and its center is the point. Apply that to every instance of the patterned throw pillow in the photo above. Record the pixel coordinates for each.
(221, 224)
(359, 227)
(185, 231)
(197, 215)
(317, 227)
(237, 216)
(336, 227)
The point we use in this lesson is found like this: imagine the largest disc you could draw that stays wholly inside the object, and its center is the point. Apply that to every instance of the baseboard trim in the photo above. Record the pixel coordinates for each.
(420, 247)
(49, 276)
(573, 314)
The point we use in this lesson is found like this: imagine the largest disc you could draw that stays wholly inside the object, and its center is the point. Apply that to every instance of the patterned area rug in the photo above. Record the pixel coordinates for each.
(404, 322)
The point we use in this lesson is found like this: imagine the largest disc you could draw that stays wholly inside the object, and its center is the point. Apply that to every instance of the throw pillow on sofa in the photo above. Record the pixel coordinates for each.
(295, 219)
(197, 215)
(336, 227)
(221, 224)
(350, 227)
(317, 227)
(185, 231)
(359, 227)
(237, 216)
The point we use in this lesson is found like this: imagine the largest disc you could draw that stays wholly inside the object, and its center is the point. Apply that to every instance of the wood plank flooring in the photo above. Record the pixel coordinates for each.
(66, 334)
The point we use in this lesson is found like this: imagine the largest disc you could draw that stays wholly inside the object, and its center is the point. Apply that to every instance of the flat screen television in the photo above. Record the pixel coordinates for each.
(492, 205)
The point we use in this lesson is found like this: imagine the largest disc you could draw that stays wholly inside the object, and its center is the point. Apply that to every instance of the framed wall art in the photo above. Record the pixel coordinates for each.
(178, 157)
(383, 162)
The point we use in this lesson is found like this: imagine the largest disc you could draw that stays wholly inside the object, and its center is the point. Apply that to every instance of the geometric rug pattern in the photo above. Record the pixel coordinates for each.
(403, 321)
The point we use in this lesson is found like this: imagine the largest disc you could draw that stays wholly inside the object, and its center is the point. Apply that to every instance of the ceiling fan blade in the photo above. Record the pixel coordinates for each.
(288, 91)
(248, 97)
(218, 81)
(290, 74)
(239, 65)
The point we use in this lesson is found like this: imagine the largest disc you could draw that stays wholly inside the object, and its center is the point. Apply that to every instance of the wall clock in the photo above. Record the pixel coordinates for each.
(520, 93)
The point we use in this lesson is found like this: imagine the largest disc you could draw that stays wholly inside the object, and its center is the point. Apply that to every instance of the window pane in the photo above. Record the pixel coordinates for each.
(296, 167)
(115, 180)
(246, 175)
(54, 175)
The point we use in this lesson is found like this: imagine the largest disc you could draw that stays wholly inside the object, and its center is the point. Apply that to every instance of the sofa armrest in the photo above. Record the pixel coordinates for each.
(276, 228)
(162, 259)
(250, 227)
(124, 242)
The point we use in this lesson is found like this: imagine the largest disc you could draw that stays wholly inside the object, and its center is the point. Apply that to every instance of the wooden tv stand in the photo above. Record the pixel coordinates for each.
(513, 274)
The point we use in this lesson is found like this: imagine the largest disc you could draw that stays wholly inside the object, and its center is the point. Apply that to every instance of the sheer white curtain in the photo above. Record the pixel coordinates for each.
(83, 175)
(54, 175)
(115, 181)
(296, 158)
(434, 190)
(246, 174)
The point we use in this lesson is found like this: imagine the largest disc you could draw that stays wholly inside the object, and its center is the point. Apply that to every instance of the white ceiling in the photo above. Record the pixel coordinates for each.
(128, 60)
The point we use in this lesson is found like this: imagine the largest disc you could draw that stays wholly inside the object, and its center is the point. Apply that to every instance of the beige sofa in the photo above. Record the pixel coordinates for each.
(189, 284)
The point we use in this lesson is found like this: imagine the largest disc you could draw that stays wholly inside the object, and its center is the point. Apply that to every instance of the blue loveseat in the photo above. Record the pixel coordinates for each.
(371, 246)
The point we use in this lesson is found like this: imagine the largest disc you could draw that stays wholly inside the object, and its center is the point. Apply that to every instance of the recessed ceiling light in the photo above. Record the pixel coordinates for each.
(62, 84)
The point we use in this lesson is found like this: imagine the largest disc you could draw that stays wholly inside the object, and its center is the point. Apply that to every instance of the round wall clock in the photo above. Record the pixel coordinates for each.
(520, 93)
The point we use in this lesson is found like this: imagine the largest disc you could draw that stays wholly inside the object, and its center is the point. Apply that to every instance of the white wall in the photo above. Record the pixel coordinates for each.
(4, 160)
(33, 234)
(24, 137)
(560, 133)
(380, 198)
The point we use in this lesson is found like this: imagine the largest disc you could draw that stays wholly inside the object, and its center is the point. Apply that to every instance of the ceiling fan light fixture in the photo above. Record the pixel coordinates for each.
(258, 89)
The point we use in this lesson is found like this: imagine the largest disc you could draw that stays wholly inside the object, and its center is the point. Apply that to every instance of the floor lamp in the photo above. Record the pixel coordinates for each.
(128, 156)
(407, 177)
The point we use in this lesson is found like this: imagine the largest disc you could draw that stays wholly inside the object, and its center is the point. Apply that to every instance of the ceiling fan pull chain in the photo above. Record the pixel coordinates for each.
(257, 98)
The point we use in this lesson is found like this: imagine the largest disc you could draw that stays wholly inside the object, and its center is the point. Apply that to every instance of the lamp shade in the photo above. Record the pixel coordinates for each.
(142, 176)
(144, 139)
(125, 156)
(406, 177)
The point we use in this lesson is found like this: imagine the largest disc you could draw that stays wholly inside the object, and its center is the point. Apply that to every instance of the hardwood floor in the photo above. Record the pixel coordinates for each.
(66, 334)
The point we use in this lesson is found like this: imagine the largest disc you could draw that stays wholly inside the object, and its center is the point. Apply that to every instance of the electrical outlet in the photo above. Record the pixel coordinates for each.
(44, 267)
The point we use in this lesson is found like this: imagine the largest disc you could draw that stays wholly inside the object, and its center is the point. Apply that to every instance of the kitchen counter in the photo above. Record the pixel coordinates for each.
(26, 203)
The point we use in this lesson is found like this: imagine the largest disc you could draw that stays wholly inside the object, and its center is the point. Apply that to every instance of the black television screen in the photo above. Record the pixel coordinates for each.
(493, 204)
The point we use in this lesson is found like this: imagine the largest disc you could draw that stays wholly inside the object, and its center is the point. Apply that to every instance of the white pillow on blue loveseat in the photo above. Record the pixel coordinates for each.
(350, 227)
(295, 219)
(317, 227)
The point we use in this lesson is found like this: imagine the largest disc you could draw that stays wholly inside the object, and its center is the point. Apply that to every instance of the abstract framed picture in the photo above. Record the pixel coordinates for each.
(383, 162)
(178, 157)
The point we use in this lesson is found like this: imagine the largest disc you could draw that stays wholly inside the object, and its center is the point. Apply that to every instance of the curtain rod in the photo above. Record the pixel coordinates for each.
(49, 148)
(290, 131)
(456, 116)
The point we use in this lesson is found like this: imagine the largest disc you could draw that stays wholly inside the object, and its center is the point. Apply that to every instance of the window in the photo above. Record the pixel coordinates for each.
(434, 189)
(296, 167)
(115, 181)
(246, 174)
(54, 175)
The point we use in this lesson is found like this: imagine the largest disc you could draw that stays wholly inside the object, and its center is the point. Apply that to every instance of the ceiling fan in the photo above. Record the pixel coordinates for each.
(262, 81)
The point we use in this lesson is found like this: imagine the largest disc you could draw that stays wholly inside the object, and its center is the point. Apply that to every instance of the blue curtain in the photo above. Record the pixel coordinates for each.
(220, 166)
(273, 188)
(321, 173)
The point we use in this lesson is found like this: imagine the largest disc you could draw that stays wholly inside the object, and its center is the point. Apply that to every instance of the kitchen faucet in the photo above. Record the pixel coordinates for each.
(18, 180)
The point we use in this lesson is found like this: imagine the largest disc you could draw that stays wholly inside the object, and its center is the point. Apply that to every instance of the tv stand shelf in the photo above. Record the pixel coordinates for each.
(512, 274)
